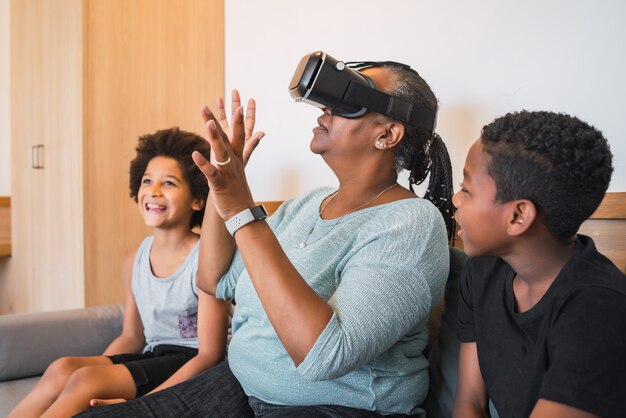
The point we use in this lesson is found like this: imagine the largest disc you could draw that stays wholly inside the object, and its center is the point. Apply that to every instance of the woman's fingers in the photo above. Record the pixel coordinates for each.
(219, 143)
(203, 164)
(238, 141)
(208, 115)
(220, 113)
(250, 118)
(235, 101)
(251, 144)
(238, 136)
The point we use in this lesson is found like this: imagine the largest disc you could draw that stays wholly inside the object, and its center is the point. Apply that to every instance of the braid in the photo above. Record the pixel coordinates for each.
(440, 189)
(421, 152)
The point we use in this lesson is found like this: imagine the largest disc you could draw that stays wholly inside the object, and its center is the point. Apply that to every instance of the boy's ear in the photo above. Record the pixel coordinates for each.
(197, 204)
(392, 134)
(522, 216)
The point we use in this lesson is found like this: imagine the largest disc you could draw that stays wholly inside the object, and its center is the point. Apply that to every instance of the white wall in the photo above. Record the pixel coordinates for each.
(5, 129)
(482, 59)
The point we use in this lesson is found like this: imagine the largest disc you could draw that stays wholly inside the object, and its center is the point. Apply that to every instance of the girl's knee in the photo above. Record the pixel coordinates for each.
(84, 377)
(61, 369)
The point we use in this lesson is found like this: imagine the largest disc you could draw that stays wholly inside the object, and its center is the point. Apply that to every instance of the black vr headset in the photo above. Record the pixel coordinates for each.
(323, 81)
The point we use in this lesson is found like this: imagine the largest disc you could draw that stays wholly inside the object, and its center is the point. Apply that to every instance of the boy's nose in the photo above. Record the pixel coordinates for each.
(456, 199)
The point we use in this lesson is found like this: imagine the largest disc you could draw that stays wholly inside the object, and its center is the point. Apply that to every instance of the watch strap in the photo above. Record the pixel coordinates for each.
(244, 217)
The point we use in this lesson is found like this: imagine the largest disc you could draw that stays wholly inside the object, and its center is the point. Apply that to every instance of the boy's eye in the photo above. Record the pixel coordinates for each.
(169, 183)
(463, 189)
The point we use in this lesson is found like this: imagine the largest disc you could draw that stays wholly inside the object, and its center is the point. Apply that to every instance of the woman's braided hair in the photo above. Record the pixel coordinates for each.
(421, 152)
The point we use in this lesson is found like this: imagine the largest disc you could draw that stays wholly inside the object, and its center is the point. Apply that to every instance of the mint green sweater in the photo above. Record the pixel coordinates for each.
(381, 269)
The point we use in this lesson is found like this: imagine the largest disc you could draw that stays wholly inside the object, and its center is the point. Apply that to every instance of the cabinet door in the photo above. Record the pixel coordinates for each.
(45, 270)
(151, 64)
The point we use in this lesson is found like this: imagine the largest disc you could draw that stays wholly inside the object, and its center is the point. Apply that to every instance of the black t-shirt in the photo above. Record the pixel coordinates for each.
(569, 348)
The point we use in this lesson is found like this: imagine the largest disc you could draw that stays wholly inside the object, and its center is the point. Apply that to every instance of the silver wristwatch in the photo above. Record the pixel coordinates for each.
(245, 217)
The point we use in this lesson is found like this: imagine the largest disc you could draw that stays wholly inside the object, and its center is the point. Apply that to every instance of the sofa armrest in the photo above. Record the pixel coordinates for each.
(29, 342)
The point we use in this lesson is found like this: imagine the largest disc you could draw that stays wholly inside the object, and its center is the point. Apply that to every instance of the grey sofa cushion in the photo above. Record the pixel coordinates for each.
(30, 342)
(12, 391)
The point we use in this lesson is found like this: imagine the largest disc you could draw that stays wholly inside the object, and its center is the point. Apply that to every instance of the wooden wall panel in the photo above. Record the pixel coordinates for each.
(5, 226)
(607, 227)
(151, 64)
(45, 270)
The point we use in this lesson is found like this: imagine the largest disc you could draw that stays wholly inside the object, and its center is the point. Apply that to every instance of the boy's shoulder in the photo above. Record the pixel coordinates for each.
(586, 268)
(589, 268)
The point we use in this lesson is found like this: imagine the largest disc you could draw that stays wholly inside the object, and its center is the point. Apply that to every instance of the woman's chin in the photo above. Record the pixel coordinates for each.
(315, 146)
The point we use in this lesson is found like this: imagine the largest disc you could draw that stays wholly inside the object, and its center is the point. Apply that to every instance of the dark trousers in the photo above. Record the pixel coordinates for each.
(214, 393)
(217, 393)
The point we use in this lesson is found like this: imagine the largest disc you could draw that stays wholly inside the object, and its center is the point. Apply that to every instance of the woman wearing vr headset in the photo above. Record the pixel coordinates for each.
(333, 291)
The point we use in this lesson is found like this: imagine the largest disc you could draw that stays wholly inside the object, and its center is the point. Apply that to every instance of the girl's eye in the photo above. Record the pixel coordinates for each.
(145, 181)
(169, 183)
(463, 189)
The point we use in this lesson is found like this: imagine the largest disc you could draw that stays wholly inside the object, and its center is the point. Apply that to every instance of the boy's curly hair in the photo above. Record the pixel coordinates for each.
(560, 163)
(177, 144)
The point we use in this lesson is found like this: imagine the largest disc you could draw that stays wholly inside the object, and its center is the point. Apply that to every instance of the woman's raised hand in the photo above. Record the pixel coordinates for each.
(251, 138)
(231, 147)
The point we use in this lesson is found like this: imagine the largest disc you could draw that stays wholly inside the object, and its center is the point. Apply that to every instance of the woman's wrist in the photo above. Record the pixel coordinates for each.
(244, 217)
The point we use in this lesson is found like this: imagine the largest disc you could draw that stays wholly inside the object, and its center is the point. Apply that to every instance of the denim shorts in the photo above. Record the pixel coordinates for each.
(154, 367)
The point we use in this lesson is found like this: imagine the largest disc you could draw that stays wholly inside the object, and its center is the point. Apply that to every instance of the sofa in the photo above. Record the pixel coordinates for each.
(30, 342)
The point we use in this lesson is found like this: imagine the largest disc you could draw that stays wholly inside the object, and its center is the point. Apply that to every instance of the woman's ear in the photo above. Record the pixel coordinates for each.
(392, 134)
(522, 216)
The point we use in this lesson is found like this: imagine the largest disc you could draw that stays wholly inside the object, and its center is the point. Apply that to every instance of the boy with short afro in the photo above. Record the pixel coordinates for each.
(542, 314)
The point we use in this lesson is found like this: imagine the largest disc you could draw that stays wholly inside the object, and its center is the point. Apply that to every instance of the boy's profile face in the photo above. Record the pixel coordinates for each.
(482, 222)
(164, 196)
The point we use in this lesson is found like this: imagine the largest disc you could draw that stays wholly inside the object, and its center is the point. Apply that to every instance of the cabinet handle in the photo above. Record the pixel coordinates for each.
(37, 156)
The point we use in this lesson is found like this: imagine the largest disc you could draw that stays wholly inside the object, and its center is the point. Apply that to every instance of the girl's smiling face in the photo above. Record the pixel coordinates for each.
(164, 196)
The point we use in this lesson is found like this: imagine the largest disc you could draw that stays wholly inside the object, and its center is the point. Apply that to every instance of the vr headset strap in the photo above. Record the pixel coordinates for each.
(394, 107)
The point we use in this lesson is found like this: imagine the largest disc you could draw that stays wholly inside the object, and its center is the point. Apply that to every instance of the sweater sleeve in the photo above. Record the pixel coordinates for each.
(228, 282)
(388, 282)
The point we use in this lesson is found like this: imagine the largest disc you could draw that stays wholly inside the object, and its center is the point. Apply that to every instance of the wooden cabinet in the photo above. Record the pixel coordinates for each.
(88, 77)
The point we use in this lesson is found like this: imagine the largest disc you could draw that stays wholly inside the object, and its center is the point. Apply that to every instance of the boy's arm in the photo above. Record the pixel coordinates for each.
(131, 340)
(471, 393)
(212, 334)
(549, 409)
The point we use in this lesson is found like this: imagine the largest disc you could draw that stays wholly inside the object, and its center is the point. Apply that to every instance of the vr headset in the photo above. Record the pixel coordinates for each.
(323, 81)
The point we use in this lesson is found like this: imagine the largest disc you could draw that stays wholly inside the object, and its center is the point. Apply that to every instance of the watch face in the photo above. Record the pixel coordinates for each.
(259, 212)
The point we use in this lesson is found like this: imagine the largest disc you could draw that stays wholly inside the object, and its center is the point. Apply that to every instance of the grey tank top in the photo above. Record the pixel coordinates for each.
(168, 306)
